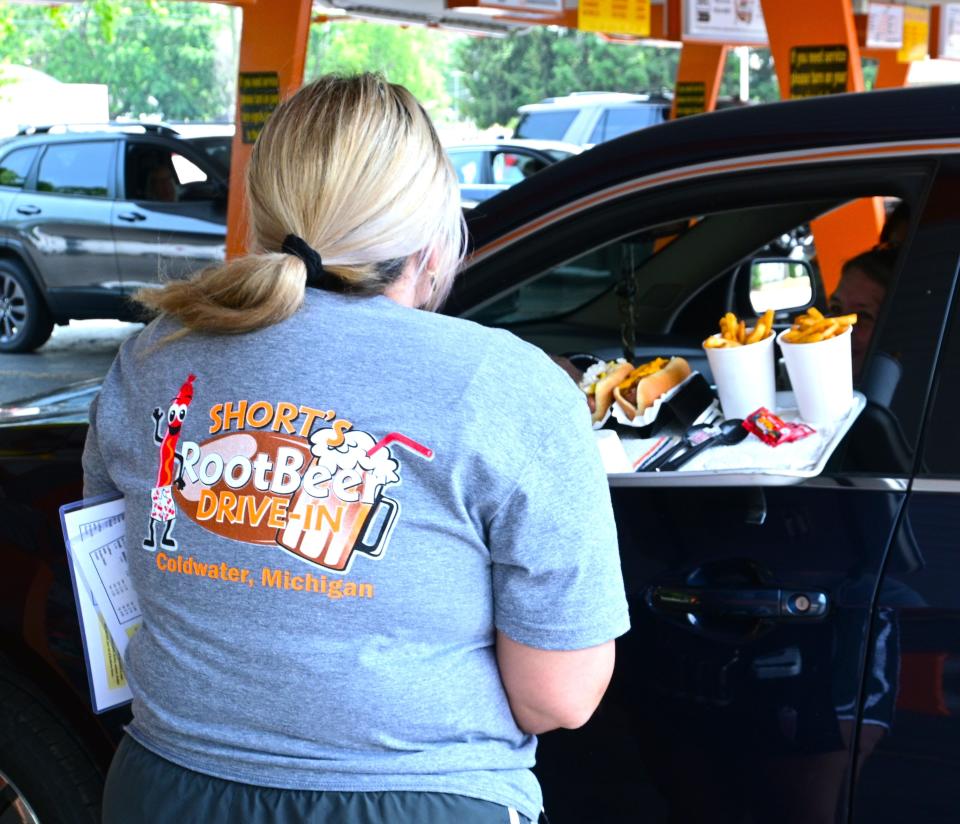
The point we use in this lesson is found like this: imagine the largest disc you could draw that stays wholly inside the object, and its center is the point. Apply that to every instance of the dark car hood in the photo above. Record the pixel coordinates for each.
(68, 404)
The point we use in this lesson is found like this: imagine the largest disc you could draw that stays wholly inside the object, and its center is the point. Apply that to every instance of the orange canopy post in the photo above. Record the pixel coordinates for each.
(698, 78)
(796, 31)
(273, 52)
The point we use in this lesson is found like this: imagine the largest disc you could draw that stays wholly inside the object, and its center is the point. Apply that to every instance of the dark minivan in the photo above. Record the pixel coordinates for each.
(791, 657)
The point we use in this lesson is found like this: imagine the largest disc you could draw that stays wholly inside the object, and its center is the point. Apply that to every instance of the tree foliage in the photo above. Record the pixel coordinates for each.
(157, 58)
(502, 74)
(413, 57)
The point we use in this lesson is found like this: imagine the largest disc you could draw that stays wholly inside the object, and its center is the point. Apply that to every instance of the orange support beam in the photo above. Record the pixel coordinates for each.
(891, 72)
(701, 63)
(851, 229)
(818, 23)
(273, 39)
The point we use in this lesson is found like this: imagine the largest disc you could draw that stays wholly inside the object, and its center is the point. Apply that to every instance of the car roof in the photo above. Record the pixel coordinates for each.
(581, 100)
(896, 115)
(520, 142)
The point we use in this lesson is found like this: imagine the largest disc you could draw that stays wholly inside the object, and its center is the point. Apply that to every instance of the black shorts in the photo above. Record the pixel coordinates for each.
(143, 788)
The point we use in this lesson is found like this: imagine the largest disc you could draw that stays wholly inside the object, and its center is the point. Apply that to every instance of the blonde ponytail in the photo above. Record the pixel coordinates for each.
(354, 167)
(239, 296)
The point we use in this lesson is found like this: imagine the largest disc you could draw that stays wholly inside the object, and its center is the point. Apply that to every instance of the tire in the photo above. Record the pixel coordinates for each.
(25, 321)
(43, 765)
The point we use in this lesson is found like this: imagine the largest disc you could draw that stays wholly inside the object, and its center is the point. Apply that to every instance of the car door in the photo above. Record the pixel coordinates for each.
(736, 691)
(170, 217)
(909, 743)
(60, 220)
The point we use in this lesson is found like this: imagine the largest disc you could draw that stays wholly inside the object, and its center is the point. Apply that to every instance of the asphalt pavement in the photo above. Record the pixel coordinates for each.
(81, 350)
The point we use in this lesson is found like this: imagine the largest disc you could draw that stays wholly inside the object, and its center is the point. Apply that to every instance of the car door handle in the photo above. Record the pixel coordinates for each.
(28, 210)
(759, 602)
(132, 217)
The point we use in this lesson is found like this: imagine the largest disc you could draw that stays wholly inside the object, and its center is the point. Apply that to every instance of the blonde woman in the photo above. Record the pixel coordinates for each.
(380, 564)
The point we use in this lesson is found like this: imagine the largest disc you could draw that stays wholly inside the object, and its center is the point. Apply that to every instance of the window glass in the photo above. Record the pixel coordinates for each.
(15, 167)
(156, 174)
(621, 121)
(76, 169)
(468, 166)
(545, 125)
(596, 136)
(565, 288)
(511, 167)
(665, 288)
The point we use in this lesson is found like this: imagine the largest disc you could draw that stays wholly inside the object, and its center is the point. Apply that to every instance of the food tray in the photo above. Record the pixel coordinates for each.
(721, 471)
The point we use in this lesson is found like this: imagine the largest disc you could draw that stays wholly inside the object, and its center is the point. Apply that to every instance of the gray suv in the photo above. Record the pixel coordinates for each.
(89, 216)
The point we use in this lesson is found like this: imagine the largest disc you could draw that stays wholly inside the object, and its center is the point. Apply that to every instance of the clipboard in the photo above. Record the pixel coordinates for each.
(109, 612)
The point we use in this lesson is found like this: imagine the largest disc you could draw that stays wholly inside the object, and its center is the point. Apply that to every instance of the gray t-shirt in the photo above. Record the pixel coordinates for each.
(326, 521)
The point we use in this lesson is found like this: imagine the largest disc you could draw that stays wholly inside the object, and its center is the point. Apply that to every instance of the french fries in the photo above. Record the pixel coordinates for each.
(812, 327)
(734, 332)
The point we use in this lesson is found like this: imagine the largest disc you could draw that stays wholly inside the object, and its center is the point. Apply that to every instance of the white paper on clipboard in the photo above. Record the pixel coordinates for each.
(109, 612)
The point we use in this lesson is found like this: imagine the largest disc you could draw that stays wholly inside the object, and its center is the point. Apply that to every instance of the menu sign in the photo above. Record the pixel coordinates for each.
(725, 21)
(884, 26)
(916, 34)
(615, 16)
(950, 31)
(818, 70)
(691, 98)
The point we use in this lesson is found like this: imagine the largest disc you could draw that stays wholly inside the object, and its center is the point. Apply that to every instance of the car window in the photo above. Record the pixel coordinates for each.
(76, 168)
(512, 167)
(623, 120)
(545, 125)
(567, 287)
(596, 136)
(468, 165)
(16, 166)
(666, 286)
(157, 174)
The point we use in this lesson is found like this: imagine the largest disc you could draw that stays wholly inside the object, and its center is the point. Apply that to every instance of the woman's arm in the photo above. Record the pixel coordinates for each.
(548, 689)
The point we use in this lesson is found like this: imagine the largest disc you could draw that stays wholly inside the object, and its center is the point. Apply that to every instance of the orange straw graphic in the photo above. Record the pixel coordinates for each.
(402, 440)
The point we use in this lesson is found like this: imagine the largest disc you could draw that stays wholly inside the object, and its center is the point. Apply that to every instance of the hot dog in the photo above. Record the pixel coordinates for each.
(641, 386)
(599, 381)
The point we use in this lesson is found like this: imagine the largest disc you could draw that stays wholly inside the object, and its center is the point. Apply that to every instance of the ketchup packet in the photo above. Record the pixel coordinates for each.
(773, 430)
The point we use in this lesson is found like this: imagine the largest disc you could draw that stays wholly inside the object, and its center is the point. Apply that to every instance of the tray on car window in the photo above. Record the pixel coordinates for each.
(750, 463)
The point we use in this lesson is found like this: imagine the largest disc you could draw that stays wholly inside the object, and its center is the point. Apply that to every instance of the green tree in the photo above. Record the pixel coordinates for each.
(415, 57)
(764, 87)
(171, 59)
(501, 74)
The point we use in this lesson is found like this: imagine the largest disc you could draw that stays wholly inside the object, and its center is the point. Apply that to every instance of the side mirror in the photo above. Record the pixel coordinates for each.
(780, 284)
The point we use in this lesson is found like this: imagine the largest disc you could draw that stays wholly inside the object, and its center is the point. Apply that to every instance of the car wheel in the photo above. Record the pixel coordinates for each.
(25, 321)
(46, 775)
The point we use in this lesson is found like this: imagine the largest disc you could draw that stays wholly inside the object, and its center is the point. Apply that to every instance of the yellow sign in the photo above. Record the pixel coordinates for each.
(916, 34)
(615, 16)
(259, 94)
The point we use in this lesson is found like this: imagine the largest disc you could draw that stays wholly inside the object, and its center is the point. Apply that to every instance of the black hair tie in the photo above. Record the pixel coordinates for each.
(317, 276)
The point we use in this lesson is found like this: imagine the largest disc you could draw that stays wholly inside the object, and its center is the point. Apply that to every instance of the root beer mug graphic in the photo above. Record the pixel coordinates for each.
(295, 478)
(349, 512)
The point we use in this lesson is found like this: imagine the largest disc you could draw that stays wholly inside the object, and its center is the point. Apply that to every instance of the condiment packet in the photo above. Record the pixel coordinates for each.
(773, 430)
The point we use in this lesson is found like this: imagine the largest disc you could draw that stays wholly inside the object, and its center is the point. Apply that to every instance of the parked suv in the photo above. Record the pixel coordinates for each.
(89, 215)
(587, 118)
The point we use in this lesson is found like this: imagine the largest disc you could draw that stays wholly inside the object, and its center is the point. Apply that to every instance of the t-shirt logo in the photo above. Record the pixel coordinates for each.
(293, 477)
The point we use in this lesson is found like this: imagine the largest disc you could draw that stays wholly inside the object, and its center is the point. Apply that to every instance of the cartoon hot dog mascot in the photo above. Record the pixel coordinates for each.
(640, 387)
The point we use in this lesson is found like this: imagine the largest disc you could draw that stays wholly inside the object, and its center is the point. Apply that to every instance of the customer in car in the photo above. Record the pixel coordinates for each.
(321, 641)
(864, 283)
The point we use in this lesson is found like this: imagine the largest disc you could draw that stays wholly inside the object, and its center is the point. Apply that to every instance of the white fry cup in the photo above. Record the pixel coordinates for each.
(821, 375)
(744, 376)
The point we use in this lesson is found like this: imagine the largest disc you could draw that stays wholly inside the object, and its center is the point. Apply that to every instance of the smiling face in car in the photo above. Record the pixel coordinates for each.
(859, 293)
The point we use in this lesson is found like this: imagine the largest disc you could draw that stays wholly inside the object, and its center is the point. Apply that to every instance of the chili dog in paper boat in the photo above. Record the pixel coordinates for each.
(631, 391)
